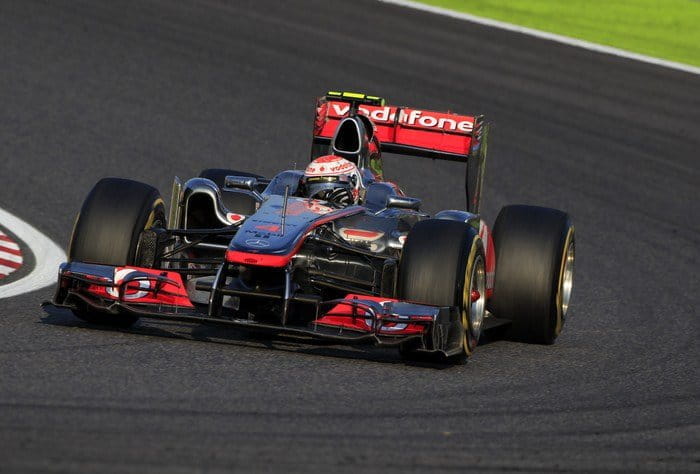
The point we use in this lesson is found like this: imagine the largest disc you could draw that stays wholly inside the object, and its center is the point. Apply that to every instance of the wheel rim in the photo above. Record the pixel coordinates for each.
(567, 279)
(474, 308)
(155, 218)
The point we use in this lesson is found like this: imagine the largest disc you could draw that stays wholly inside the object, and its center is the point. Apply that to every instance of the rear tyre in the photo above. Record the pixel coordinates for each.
(236, 202)
(108, 228)
(443, 264)
(534, 271)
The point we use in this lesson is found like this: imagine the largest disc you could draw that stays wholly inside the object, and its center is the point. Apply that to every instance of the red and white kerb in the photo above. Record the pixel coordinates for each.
(10, 255)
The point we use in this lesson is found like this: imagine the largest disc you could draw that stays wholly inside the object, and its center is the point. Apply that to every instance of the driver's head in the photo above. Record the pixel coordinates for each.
(333, 179)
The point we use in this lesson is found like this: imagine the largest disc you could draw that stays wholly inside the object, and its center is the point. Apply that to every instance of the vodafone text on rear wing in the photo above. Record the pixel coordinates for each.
(414, 132)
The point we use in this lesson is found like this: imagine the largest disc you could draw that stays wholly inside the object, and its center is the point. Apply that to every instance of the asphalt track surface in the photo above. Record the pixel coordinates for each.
(152, 89)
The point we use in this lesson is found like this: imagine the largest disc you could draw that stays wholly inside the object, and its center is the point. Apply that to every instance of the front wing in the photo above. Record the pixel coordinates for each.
(161, 294)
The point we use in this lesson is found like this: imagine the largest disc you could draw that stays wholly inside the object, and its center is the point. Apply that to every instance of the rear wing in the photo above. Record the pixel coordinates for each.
(410, 131)
(402, 130)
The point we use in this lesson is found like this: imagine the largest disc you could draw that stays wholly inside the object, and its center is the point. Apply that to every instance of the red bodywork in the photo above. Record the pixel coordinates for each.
(490, 255)
(439, 132)
(346, 316)
(142, 286)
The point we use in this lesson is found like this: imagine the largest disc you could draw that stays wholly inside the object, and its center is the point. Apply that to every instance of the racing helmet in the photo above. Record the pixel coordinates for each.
(334, 179)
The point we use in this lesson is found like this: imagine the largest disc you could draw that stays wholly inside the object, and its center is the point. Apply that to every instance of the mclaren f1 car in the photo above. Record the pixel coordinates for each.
(334, 251)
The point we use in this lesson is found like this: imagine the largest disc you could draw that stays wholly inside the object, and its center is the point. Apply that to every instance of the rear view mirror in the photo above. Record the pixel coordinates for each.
(403, 202)
(241, 182)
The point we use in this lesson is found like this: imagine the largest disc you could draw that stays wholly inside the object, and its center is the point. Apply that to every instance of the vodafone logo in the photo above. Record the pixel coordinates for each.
(328, 159)
(329, 166)
(409, 117)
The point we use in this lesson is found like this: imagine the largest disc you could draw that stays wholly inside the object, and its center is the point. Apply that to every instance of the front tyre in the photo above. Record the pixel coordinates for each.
(443, 264)
(108, 228)
(535, 252)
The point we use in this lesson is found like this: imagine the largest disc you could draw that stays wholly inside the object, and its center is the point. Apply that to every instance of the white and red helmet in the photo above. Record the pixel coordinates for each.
(334, 179)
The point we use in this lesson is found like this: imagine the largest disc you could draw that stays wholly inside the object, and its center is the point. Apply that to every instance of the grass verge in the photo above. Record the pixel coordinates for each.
(667, 29)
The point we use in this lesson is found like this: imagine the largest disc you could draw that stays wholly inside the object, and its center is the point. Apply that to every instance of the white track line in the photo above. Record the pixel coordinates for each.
(48, 256)
(599, 48)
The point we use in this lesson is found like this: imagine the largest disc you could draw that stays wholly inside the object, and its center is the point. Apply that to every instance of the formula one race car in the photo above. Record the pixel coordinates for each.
(334, 251)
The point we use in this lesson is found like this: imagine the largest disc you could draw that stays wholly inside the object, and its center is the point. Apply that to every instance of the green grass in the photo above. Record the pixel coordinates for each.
(667, 29)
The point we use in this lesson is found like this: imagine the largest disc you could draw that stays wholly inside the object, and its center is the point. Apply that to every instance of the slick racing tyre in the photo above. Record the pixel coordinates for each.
(235, 201)
(108, 228)
(443, 264)
(534, 271)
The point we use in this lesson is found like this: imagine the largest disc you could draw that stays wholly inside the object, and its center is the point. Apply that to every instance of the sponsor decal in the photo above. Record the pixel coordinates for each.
(234, 218)
(133, 290)
(365, 237)
(488, 252)
(300, 207)
(144, 290)
(316, 207)
(329, 166)
(484, 234)
(269, 227)
(360, 235)
(408, 117)
(329, 159)
(257, 243)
